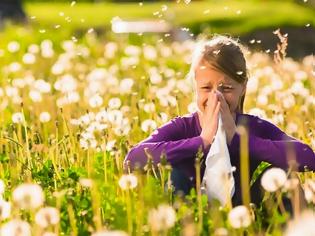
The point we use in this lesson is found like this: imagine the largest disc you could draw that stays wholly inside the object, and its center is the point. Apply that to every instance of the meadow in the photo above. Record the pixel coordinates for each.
(71, 108)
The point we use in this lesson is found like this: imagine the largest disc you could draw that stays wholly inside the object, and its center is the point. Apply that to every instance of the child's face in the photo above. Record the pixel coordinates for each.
(208, 79)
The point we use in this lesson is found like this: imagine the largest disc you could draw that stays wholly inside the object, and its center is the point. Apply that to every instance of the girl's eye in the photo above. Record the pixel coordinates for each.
(226, 88)
(205, 88)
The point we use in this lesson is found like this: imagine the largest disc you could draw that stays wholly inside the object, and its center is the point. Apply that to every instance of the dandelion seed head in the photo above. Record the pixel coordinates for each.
(164, 217)
(5, 209)
(302, 225)
(273, 179)
(13, 46)
(239, 217)
(148, 125)
(28, 196)
(18, 118)
(47, 216)
(16, 227)
(129, 181)
(44, 117)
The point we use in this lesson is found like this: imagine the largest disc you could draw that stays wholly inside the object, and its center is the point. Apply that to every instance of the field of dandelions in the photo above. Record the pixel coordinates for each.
(71, 108)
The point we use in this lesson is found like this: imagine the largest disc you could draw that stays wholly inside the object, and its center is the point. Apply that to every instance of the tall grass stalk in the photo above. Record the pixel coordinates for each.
(244, 165)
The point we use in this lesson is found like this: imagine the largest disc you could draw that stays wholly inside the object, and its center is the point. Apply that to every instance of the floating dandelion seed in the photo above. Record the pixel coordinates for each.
(68, 19)
(239, 72)
(74, 39)
(258, 41)
(252, 41)
(91, 30)
(42, 31)
(187, 1)
(238, 12)
(206, 11)
(73, 3)
(164, 8)
(216, 52)
(140, 4)
(33, 17)
(57, 26)
(61, 13)
(225, 8)
(307, 25)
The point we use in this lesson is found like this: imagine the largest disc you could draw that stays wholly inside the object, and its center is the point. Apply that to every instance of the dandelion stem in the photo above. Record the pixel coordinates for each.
(244, 166)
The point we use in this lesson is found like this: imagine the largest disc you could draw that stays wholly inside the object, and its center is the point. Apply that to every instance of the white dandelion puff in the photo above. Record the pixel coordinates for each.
(16, 228)
(164, 217)
(28, 196)
(47, 216)
(273, 179)
(239, 217)
(44, 117)
(18, 118)
(129, 181)
(148, 125)
(13, 46)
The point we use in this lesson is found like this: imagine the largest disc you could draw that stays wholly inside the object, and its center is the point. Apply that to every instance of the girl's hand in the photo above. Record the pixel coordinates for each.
(227, 118)
(209, 119)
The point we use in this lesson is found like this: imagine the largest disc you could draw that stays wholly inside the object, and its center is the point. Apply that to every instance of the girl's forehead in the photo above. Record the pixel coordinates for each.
(208, 74)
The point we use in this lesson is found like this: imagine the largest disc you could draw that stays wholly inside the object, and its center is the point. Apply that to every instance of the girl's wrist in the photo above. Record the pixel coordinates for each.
(206, 141)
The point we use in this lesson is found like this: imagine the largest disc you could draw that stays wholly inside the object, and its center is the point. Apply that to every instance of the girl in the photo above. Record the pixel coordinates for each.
(220, 76)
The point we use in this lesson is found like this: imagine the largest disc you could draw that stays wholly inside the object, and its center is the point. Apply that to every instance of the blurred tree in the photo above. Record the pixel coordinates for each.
(12, 9)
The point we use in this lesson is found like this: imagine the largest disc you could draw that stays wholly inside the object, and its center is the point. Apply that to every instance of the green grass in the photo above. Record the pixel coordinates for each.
(263, 14)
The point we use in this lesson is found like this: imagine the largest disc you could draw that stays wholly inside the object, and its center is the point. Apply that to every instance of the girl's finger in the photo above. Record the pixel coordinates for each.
(217, 109)
(211, 103)
(222, 100)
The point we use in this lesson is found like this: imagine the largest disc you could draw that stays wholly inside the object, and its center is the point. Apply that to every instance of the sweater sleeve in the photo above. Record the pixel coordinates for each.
(170, 139)
(272, 145)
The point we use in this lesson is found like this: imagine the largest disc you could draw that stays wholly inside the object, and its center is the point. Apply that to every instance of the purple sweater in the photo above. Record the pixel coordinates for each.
(180, 140)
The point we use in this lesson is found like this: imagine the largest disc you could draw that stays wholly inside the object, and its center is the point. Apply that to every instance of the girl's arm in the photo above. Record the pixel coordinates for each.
(170, 138)
(270, 144)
